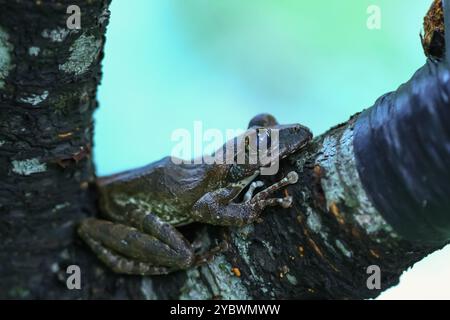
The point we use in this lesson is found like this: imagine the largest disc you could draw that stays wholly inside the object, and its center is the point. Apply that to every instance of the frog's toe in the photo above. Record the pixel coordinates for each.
(285, 202)
(251, 190)
(291, 178)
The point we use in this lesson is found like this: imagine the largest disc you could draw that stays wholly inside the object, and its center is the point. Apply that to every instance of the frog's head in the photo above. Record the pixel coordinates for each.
(263, 147)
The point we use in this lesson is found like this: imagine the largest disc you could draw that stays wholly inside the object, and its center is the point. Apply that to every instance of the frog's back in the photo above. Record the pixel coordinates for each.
(166, 189)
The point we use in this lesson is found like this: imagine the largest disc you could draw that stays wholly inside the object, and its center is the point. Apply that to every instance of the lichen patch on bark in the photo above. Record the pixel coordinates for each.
(341, 183)
(5, 56)
(83, 53)
(226, 286)
(213, 280)
(241, 241)
(313, 221)
(345, 251)
(56, 35)
(194, 288)
(147, 289)
(60, 206)
(35, 99)
(28, 167)
(34, 51)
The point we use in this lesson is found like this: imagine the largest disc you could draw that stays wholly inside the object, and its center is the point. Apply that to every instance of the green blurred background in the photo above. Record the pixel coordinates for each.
(171, 62)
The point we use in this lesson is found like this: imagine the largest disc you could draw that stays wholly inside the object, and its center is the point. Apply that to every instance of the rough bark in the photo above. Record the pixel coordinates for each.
(48, 82)
(320, 248)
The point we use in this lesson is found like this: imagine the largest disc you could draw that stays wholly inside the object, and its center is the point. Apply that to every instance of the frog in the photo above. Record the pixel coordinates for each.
(142, 209)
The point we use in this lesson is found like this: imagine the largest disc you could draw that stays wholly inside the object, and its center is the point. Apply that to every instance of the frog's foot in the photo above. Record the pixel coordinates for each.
(150, 247)
(262, 200)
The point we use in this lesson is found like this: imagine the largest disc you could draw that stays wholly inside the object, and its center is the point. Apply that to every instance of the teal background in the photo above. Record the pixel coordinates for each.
(169, 63)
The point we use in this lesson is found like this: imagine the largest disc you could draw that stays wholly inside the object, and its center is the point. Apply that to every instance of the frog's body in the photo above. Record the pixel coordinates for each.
(145, 205)
(164, 188)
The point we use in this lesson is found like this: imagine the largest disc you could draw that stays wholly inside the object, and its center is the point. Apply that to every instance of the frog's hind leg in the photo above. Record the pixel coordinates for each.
(148, 246)
(122, 264)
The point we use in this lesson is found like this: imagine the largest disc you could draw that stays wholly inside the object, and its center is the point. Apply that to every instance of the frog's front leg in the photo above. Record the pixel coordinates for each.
(149, 247)
(217, 207)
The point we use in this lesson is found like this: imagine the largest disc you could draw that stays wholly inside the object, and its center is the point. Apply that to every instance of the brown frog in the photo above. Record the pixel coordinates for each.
(144, 206)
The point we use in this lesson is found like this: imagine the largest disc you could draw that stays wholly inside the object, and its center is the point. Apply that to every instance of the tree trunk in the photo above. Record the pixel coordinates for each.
(48, 82)
(320, 248)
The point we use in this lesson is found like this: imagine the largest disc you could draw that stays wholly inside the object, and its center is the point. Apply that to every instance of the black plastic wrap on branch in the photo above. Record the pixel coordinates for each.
(402, 148)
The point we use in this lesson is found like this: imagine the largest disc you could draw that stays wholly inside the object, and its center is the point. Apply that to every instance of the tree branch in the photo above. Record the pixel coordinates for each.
(340, 224)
